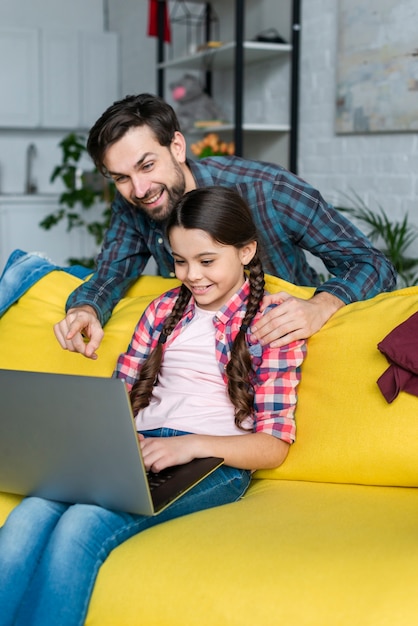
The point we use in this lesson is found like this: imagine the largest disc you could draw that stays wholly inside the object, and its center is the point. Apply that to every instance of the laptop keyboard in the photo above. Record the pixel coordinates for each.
(156, 479)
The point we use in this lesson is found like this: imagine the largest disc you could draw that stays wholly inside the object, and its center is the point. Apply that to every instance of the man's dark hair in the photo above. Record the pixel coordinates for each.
(141, 110)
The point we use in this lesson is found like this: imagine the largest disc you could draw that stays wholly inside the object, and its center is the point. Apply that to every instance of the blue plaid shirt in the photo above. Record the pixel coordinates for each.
(290, 215)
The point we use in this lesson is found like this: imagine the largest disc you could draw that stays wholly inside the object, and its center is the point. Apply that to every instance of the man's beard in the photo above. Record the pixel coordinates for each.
(174, 194)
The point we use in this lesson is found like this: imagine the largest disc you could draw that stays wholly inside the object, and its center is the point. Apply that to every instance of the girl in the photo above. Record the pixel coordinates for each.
(199, 387)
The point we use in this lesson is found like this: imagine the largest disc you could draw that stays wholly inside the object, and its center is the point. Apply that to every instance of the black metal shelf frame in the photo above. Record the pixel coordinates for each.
(239, 73)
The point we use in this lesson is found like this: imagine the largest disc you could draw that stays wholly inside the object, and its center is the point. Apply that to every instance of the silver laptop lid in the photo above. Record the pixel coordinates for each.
(70, 438)
(73, 438)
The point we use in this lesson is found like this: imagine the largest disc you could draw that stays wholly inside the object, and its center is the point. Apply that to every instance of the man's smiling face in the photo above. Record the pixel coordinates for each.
(148, 175)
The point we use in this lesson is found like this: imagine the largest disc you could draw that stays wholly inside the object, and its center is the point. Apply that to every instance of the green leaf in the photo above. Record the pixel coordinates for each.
(75, 201)
(394, 237)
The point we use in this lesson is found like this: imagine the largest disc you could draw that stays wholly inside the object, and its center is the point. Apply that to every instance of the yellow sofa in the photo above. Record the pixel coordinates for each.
(328, 539)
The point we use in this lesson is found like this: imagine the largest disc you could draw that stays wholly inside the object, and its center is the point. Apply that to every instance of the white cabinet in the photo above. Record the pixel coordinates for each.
(60, 79)
(19, 78)
(99, 75)
(19, 229)
(80, 77)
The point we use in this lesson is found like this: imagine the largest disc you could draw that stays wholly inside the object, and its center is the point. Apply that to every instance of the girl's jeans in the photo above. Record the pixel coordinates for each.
(51, 552)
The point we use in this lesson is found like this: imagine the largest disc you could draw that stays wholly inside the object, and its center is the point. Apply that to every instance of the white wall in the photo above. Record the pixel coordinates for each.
(76, 14)
(381, 168)
(138, 51)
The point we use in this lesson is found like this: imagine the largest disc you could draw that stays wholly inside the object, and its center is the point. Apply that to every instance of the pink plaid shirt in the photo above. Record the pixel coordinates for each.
(276, 371)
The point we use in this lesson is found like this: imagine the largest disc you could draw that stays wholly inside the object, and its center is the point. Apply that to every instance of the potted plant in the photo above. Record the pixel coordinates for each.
(83, 190)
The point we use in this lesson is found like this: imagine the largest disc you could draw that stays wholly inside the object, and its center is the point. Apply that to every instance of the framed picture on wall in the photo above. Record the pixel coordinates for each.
(377, 66)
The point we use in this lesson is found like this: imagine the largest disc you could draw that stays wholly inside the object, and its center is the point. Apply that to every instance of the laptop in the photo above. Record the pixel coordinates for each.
(73, 439)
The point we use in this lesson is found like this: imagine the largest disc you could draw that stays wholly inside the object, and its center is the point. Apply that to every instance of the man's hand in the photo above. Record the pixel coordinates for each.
(80, 323)
(293, 318)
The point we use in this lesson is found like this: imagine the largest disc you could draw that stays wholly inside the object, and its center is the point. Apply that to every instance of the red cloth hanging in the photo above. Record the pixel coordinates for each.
(153, 20)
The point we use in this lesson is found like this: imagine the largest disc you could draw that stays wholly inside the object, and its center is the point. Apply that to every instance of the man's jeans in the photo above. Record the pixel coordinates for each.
(24, 269)
(51, 552)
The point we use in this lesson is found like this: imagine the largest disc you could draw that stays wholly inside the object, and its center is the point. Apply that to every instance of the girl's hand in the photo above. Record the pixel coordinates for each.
(161, 452)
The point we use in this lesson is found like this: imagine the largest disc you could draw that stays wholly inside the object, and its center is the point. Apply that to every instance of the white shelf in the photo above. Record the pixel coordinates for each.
(224, 56)
(266, 128)
(247, 127)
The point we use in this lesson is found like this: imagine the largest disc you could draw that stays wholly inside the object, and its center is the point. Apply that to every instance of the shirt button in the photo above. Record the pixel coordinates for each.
(160, 240)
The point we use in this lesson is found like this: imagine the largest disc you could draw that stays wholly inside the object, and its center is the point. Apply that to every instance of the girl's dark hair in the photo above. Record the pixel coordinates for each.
(224, 215)
(141, 110)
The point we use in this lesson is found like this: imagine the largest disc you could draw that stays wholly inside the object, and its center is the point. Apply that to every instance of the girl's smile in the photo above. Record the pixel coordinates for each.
(199, 288)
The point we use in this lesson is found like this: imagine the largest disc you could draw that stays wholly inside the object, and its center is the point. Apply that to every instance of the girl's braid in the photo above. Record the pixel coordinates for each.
(142, 390)
(239, 366)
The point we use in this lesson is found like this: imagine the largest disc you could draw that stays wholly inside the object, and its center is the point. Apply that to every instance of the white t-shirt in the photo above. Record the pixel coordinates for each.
(191, 394)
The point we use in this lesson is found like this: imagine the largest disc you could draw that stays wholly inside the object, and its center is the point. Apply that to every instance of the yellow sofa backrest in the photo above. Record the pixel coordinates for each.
(346, 431)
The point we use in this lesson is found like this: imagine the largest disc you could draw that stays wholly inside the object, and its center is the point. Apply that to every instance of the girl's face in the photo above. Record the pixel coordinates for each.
(213, 272)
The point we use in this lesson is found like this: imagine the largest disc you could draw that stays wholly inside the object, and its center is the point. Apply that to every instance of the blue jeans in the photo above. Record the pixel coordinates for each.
(24, 269)
(51, 552)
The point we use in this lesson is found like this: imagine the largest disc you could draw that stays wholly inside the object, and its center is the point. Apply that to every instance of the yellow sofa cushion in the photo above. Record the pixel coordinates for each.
(294, 553)
(346, 432)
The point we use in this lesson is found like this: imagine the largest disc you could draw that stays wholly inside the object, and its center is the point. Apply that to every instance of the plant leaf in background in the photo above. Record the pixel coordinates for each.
(393, 238)
(81, 193)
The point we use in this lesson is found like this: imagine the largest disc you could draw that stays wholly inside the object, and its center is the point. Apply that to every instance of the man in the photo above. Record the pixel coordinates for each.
(138, 143)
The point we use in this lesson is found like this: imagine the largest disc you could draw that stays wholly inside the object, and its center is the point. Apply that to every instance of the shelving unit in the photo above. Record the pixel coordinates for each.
(237, 56)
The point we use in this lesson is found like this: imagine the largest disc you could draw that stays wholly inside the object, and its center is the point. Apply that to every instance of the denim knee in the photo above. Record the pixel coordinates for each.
(30, 517)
